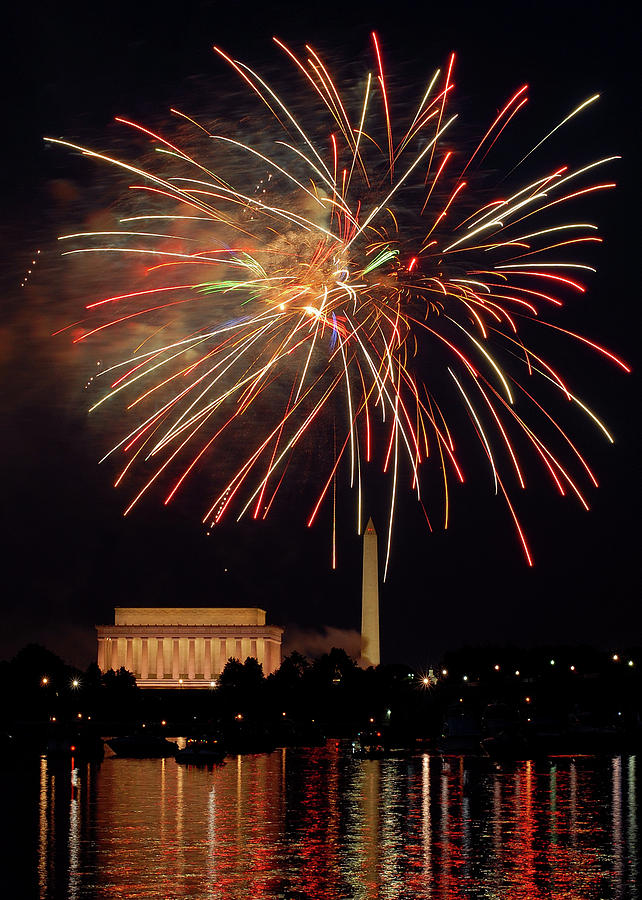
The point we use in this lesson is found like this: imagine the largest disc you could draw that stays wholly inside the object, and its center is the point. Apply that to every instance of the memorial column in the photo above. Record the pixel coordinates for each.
(175, 660)
(207, 659)
(200, 656)
(267, 665)
(191, 659)
(144, 659)
(219, 655)
(101, 654)
(160, 664)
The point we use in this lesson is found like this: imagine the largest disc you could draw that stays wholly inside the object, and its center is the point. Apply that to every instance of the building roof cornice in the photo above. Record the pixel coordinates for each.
(181, 631)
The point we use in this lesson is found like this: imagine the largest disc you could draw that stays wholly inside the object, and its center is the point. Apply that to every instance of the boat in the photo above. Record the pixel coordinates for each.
(205, 750)
(461, 731)
(142, 746)
(78, 746)
(374, 744)
(507, 747)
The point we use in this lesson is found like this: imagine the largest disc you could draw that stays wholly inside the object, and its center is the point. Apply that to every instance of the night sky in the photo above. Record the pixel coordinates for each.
(69, 556)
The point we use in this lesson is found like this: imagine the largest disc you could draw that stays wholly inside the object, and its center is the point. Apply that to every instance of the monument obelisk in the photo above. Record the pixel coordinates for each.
(370, 600)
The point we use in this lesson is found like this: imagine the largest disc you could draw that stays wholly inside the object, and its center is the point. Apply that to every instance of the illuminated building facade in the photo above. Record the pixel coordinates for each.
(177, 647)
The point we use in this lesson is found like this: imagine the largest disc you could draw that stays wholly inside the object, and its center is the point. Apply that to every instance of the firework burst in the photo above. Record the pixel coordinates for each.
(360, 285)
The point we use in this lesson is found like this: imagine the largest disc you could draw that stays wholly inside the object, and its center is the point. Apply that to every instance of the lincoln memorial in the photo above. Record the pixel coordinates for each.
(174, 647)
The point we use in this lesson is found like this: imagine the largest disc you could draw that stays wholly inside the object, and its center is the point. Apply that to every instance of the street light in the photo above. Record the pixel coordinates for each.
(75, 683)
(45, 680)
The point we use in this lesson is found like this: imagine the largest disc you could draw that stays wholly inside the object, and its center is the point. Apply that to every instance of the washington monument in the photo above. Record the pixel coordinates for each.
(370, 600)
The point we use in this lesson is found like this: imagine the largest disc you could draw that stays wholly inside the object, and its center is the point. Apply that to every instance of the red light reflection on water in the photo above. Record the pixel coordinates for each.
(320, 824)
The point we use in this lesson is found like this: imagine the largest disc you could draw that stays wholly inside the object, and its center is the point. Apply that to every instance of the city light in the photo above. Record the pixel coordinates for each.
(163, 722)
(75, 683)
(615, 657)
(552, 662)
(212, 684)
(630, 662)
(238, 716)
(444, 671)
(496, 668)
(465, 677)
(425, 681)
(572, 668)
(527, 699)
(45, 680)
(517, 671)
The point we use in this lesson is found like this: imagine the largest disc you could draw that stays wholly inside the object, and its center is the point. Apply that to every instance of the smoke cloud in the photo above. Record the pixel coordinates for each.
(314, 642)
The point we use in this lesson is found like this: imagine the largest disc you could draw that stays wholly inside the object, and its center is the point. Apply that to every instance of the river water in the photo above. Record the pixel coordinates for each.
(318, 823)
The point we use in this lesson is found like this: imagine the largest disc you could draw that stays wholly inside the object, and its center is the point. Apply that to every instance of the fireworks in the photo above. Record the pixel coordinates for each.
(350, 274)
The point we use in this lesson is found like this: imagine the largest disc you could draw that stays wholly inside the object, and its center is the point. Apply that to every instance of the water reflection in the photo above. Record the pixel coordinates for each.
(43, 829)
(616, 806)
(321, 824)
(74, 835)
(632, 823)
